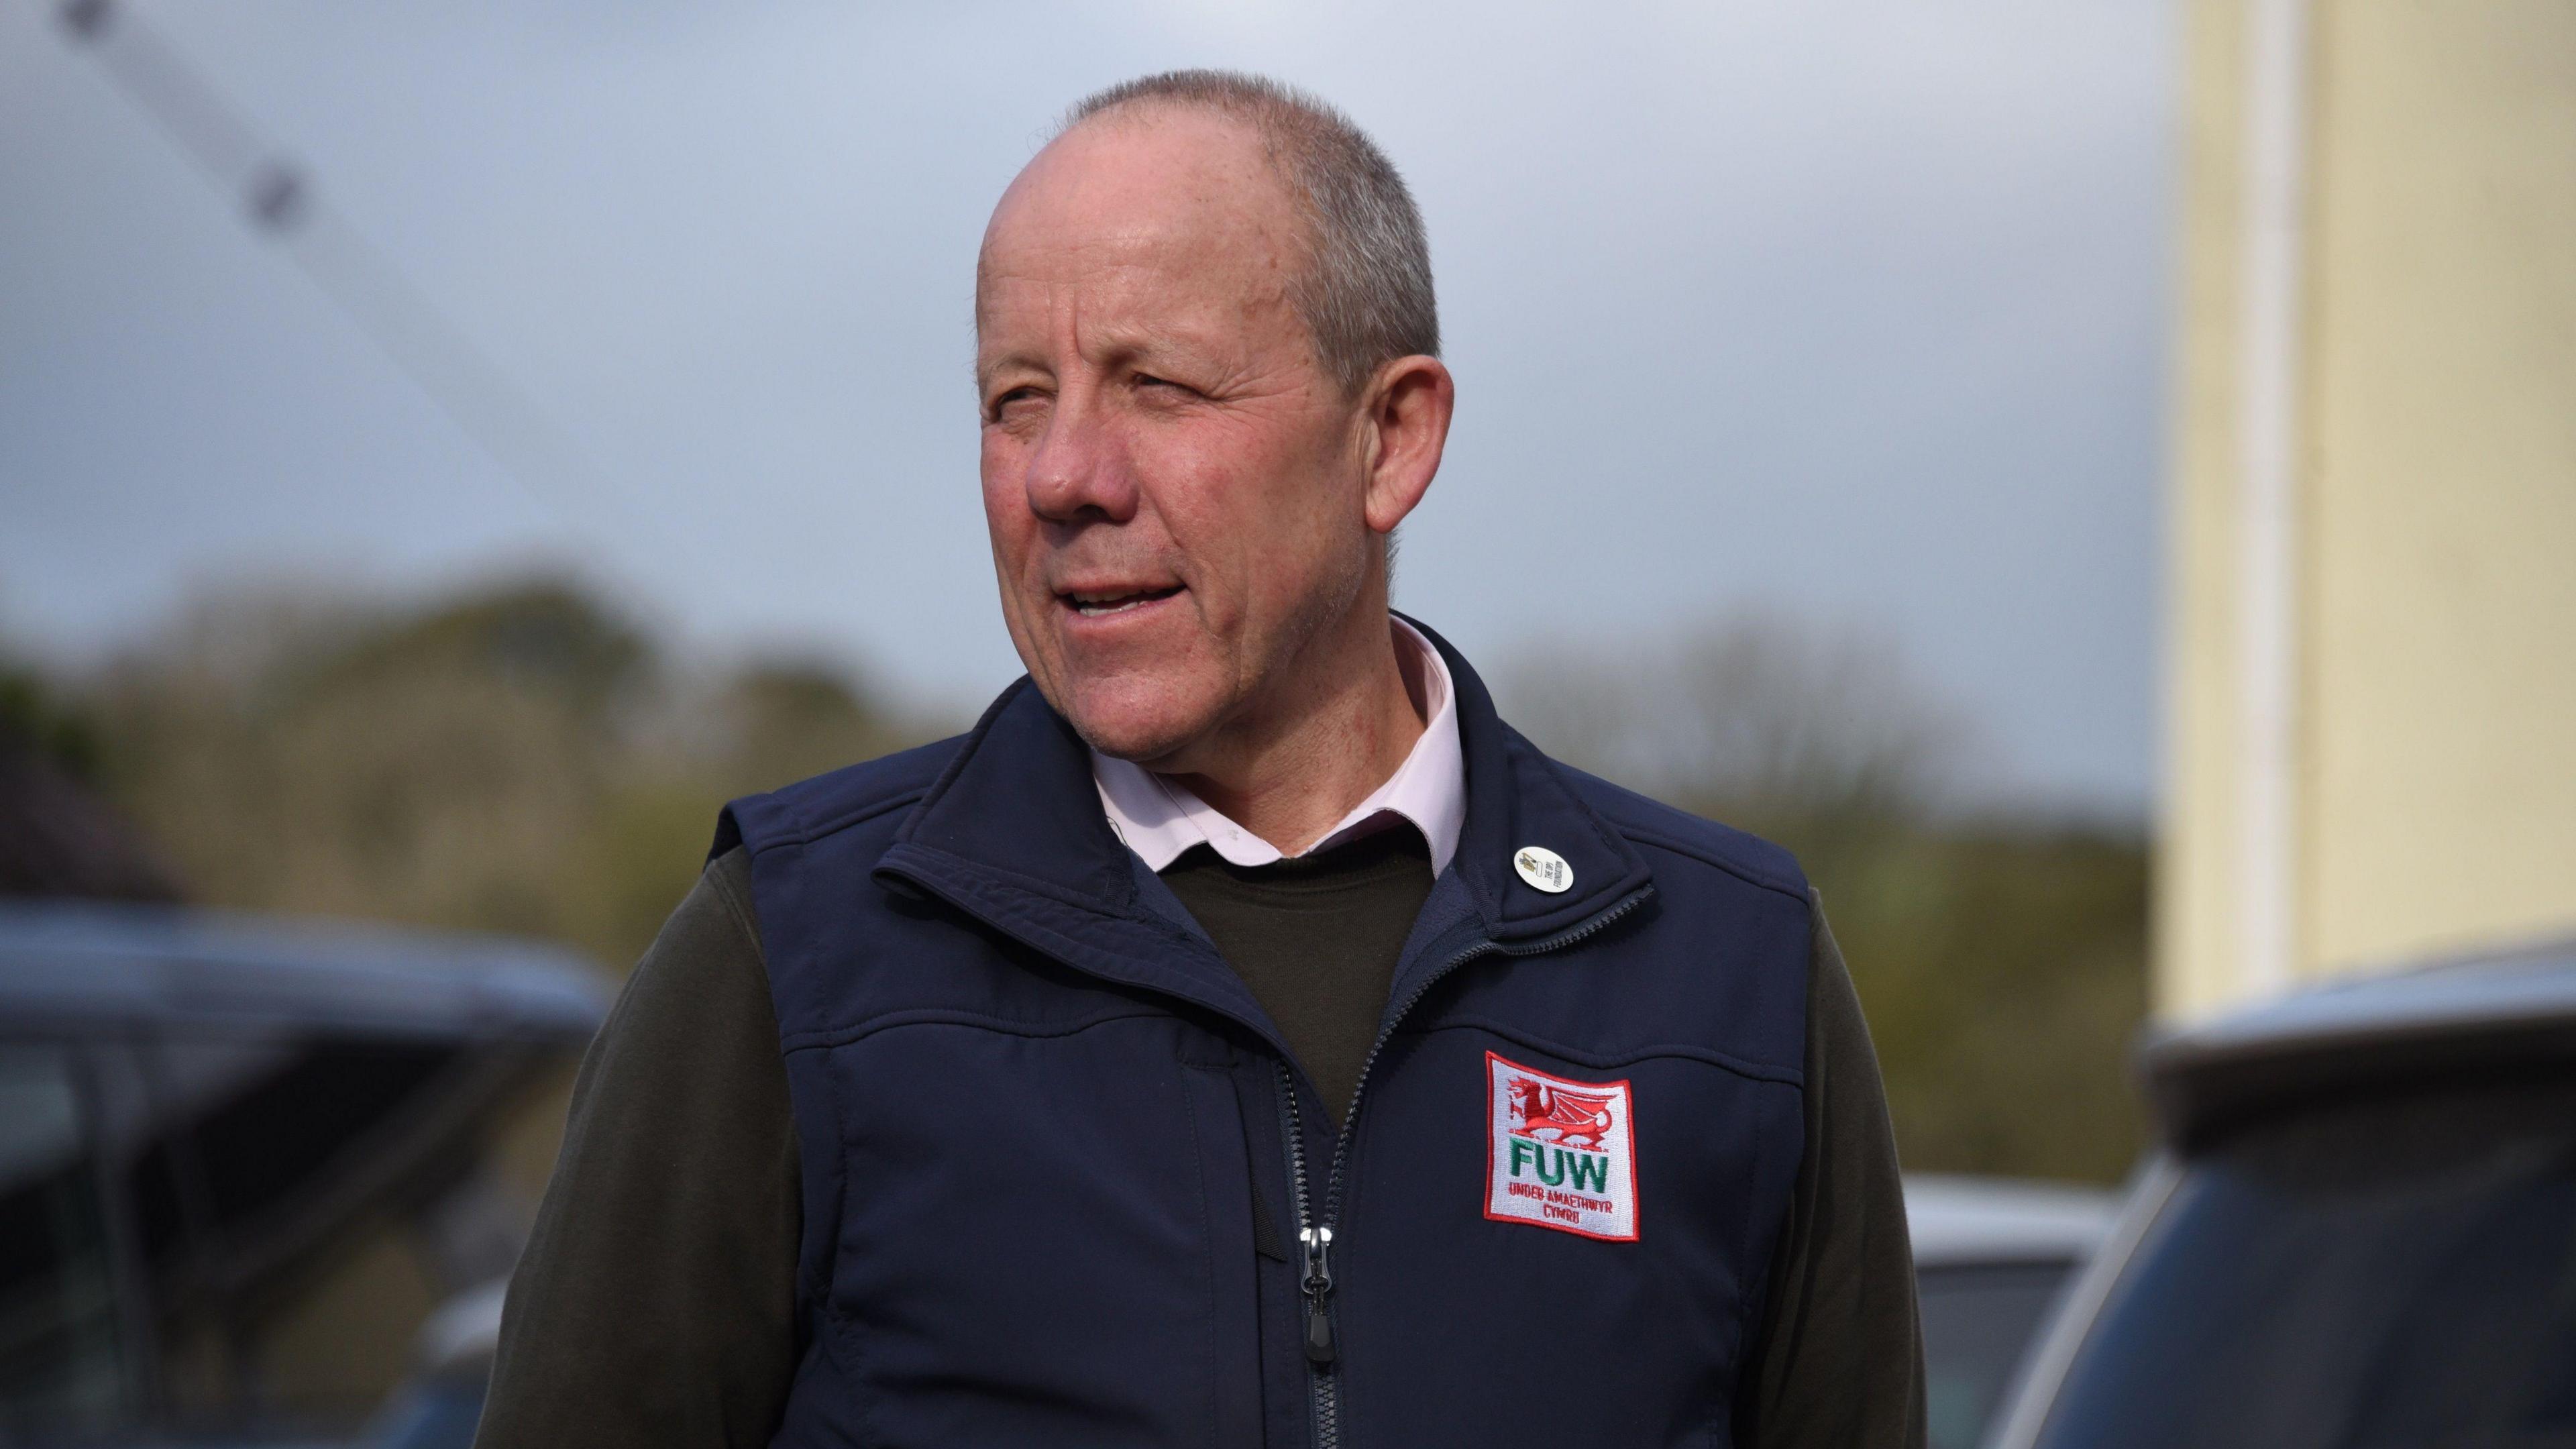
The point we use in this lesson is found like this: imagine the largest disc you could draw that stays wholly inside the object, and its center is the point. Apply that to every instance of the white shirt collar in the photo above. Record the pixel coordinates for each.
(1159, 818)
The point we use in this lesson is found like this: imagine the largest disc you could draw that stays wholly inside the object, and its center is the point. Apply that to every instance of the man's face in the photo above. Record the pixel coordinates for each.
(1175, 489)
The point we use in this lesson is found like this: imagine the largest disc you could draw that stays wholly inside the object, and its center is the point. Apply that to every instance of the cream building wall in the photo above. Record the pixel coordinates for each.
(2372, 680)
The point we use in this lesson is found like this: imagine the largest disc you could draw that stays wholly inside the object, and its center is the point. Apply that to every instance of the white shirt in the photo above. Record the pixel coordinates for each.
(1159, 818)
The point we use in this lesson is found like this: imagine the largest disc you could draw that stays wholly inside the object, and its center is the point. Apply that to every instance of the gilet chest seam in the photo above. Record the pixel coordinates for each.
(1615, 1057)
(825, 1038)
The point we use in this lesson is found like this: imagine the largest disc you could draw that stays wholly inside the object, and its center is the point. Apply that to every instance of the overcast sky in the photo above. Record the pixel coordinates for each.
(1854, 311)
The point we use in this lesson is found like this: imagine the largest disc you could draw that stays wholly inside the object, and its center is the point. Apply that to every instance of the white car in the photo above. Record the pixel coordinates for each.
(1991, 1257)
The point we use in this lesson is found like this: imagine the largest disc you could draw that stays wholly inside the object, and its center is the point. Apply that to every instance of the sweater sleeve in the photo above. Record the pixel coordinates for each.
(1839, 1358)
(655, 1302)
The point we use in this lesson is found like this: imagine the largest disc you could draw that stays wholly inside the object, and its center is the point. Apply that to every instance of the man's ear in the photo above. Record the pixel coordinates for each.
(1407, 407)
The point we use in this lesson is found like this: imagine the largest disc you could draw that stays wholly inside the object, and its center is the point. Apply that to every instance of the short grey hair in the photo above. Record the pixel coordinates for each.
(1365, 293)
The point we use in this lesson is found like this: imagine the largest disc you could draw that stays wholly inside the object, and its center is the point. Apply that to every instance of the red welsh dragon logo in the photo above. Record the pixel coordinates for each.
(1576, 1120)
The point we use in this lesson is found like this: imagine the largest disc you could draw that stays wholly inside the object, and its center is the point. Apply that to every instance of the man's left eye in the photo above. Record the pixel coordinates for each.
(1147, 379)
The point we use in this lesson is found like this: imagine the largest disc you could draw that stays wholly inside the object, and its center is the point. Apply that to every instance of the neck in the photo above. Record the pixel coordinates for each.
(1289, 772)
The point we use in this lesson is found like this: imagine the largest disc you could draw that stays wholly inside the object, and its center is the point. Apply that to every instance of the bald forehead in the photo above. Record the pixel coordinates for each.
(1138, 175)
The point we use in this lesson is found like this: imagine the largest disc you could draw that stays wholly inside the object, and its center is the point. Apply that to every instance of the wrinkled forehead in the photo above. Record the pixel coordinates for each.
(1162, 189)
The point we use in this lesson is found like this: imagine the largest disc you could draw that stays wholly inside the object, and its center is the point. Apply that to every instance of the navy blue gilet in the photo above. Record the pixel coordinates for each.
(1064, 1184)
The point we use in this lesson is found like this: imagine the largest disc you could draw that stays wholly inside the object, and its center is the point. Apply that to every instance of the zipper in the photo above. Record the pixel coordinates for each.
(1315, 1277)
(1315, 1231)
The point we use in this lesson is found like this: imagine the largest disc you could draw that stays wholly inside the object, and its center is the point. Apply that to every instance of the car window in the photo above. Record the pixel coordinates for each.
(271, 1124)
(2383, 1274)
(286, 1301)
(61, 1371)
(1977, 1320)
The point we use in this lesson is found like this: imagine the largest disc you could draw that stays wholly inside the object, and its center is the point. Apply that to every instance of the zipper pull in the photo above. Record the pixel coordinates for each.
(1318, 1287)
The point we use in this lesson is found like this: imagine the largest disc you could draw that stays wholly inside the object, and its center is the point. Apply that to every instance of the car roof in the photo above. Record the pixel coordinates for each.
(88, 968)
(1959, 1221)
(2503, 1011)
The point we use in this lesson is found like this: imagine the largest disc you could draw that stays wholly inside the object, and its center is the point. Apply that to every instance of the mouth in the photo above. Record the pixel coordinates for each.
(1102, 603)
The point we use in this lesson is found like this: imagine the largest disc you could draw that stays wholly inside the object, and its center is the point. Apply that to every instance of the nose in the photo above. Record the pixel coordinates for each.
(1080, 466)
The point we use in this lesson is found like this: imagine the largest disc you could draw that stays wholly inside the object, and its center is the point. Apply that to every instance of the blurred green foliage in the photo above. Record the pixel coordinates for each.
(524, 758)
(36, 720)
(520, 759)
(2002, 961)
(2004, 972)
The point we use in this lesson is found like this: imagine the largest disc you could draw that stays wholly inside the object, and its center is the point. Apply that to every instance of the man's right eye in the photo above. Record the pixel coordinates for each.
(1001, 406)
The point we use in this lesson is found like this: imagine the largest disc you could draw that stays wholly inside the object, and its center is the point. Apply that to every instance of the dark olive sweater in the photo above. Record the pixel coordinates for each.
(1316, 939)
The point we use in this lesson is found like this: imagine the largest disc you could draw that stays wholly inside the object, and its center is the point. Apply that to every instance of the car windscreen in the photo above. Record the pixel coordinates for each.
(1977, 1320)
(2397, 1272)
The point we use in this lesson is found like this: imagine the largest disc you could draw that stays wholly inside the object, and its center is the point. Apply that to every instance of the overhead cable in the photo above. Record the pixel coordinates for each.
(280, 200)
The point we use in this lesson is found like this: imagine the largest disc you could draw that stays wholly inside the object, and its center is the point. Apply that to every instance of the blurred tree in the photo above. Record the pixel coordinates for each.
(782, 720)
(58, 838)
(542, 637)
(519, 758)
(1759, 712)
(2002, 963)
(37, 724)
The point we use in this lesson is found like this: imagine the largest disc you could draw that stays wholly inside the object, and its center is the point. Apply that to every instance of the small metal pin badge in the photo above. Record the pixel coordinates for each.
(1544, 869)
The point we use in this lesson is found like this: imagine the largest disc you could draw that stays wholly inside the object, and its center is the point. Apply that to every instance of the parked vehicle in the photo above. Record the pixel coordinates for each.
(2361, 1232)
(1991, 1256)
(203, 1117)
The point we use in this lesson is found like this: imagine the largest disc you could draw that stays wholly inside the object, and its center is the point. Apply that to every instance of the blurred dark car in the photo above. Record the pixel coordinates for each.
(1991, 1257)
(2361, 1233)
(201, 1119)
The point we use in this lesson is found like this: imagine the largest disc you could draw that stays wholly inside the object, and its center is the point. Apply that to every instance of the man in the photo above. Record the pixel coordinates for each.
(1242, 1036)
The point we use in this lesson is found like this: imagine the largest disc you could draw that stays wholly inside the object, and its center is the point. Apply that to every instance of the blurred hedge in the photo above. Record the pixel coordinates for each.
(520, 759)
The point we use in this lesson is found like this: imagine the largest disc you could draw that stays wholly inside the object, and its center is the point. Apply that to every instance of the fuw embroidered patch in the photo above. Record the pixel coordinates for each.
(1559, 1154)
